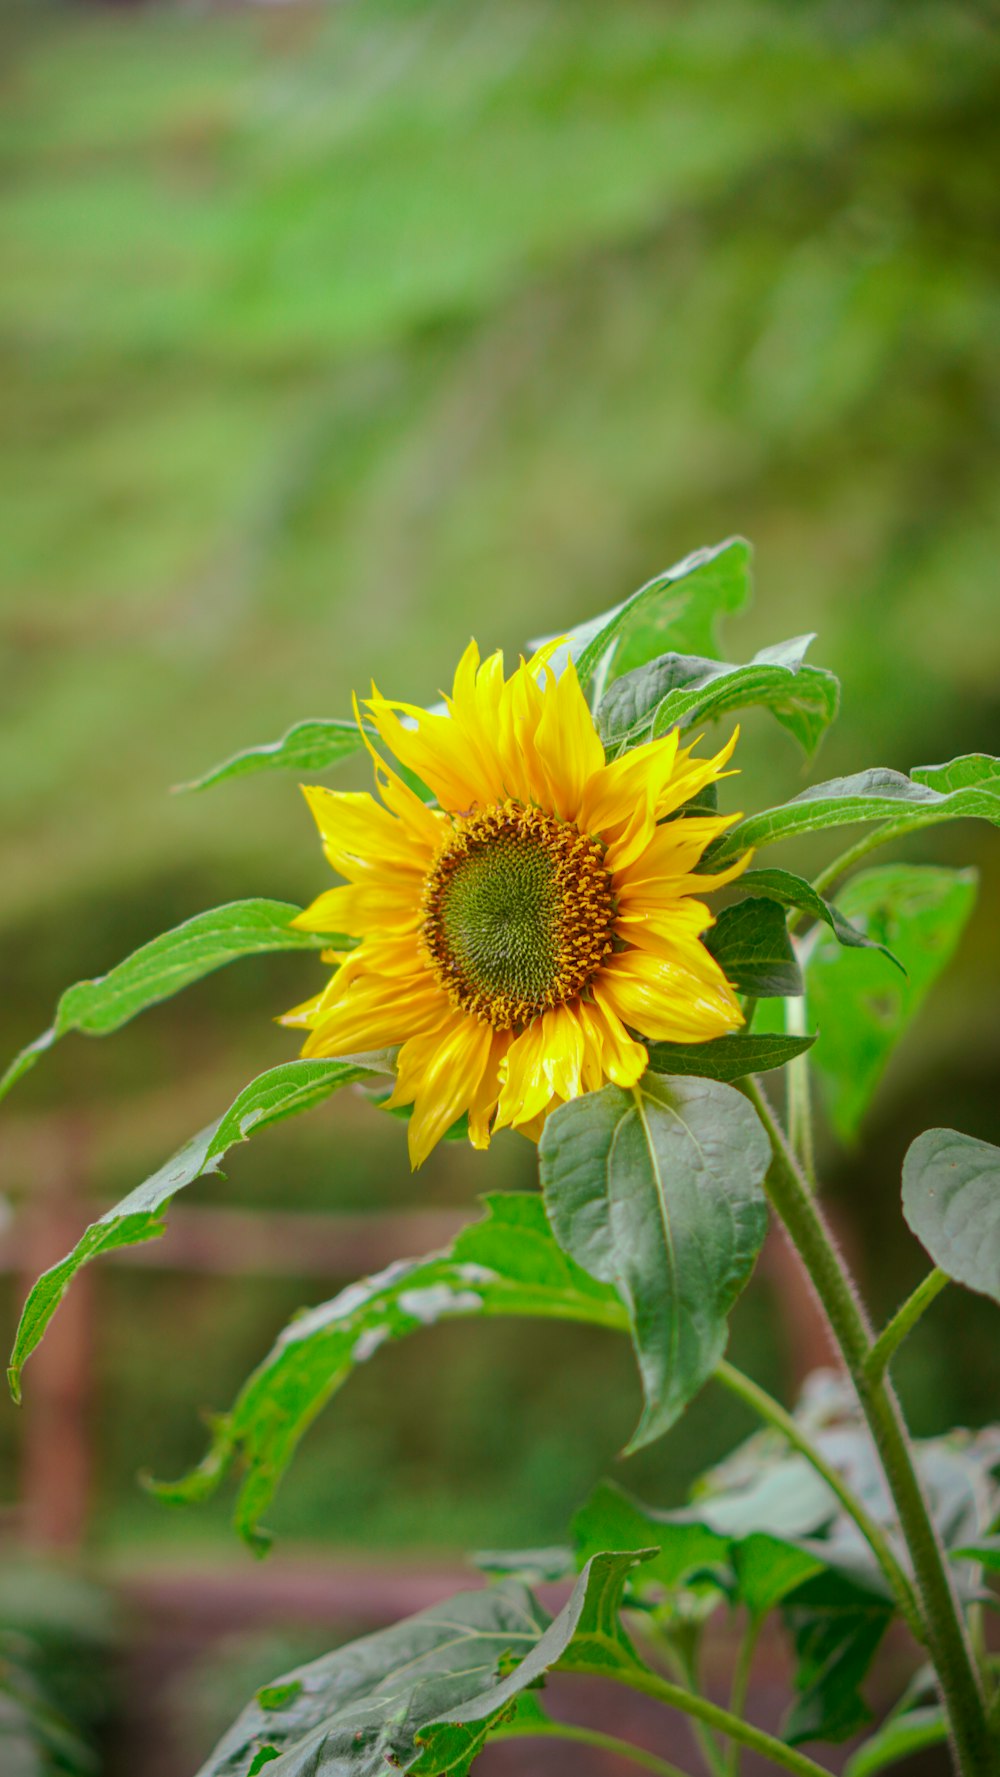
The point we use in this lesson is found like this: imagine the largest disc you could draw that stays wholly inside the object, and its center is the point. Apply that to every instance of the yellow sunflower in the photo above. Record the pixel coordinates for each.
(514, 936)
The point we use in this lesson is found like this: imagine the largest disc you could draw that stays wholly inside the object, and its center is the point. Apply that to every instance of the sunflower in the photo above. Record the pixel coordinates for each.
(518, 931)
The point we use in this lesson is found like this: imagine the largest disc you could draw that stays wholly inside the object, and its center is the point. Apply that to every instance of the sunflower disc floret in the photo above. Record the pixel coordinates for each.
(517, 933)
(518, 914)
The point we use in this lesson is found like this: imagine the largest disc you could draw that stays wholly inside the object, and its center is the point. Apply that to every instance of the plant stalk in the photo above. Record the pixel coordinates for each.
(947, 1642)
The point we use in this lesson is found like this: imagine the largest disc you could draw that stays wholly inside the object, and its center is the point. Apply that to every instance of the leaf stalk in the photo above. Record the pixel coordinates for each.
(767, 1408)
(904, 1320)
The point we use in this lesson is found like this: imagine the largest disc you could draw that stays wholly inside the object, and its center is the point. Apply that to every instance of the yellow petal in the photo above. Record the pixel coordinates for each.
(692, 775)
(359, 834)
(376, 1014)
(567, 744)
(667, 1000)
(359, 908)
(440, 1076)
(484, 1100)
(525, 1089)
(638, 777)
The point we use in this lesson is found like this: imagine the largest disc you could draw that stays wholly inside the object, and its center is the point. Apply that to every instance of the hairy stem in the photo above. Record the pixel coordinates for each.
(638, 1678)
(560, 1730)
(946, 1638)
(891, 1337)
(767, 1408)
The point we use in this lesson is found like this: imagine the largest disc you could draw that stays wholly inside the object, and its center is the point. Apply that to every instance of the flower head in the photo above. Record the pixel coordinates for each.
(514, 936)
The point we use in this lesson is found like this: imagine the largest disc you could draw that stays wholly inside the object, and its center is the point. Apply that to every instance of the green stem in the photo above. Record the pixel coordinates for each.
(905, 1318)
(559, 1730)
(945, 1633)
(638, 1678)
(741, 1685)
(766, 1407)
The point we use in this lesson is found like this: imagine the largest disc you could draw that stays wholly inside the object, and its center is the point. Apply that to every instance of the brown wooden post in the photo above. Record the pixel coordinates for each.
(56, 1449)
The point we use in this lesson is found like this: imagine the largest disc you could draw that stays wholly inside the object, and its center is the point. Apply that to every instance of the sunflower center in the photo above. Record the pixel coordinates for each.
(518, 911)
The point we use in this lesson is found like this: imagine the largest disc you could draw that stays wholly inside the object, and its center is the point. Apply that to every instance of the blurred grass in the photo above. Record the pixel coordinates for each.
(332, 333)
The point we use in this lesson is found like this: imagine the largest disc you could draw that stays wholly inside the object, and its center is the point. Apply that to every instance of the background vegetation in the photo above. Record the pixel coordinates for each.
(331, 334)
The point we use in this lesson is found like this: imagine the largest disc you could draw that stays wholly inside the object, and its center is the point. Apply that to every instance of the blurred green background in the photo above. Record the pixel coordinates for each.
(331, 335)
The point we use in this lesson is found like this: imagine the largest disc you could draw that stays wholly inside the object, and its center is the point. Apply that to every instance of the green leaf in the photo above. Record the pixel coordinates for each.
(163, 967)
(727, 1058)
(836, 1630)
(508, 1264)
(951, 1200)
(586, 1636)
(658, 1192)
(612, 1517)
(309, 746)
(760, 1566)
(357, 1711)
(768, 1568)
(283, 1091)
(877, 795)
(860, 1008)
(681, 607)
(751, 944)
(794, 891)
(898, 1738)
(985, 1550)
(971, 772)
(680, 691)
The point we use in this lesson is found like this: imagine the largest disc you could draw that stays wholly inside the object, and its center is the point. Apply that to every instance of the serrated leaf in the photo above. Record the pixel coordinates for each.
(586, 1636)
(282, 1092)
(751, 944)
(951, 1201)
(898, 1738)
(507, 1264)
(680, 607)
(836, 1631)
(877, 795)
(658, 1192)
(794, 891)
(680, 691)
(860, 1008)
(728, 1058)
(308, 746)
(163, 967)
(357, 1712)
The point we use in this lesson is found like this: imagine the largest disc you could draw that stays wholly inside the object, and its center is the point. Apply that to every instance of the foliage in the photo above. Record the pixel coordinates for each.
(652, 1212)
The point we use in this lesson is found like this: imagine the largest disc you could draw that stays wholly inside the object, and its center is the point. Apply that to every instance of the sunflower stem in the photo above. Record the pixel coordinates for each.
(977, 1752)
(770, 1410)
